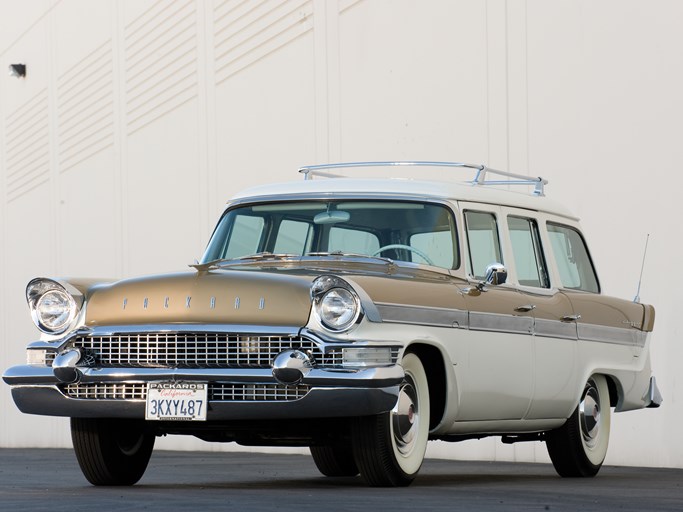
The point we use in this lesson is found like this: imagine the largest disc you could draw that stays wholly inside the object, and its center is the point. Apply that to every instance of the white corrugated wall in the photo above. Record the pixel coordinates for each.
(139, 118)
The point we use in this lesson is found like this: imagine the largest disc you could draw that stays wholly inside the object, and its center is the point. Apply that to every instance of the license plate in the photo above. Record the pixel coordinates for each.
(176, 401)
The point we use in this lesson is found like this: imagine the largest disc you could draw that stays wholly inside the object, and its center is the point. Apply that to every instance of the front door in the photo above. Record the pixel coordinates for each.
(497, 380)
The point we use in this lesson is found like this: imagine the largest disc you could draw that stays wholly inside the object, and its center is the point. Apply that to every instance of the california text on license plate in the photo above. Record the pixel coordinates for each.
(176, 401)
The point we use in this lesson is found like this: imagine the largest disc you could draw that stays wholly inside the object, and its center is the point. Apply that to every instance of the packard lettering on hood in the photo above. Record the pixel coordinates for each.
(358, 317)
(238, 297)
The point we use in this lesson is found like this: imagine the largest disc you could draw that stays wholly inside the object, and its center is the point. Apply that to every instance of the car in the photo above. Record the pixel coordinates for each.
(359, 316)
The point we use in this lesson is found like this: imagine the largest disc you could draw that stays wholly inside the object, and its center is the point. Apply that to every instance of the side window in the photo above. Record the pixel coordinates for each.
(293, 237)
(572, 258)
(483, 242)
(245, 236)
(528, 253)
(352, 241)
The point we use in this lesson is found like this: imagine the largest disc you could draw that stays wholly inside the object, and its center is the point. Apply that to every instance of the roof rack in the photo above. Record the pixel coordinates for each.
(310, 171)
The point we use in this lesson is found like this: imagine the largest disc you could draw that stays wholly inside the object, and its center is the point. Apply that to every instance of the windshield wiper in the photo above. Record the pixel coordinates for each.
(259, 256)
(265, 255)
(351, 255)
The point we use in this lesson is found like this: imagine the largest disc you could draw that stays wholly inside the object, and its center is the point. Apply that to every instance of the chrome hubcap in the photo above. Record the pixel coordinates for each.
(589, 415)
(405, 418)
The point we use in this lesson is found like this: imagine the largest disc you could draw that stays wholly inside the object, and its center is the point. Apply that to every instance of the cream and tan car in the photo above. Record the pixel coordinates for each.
(358, 317)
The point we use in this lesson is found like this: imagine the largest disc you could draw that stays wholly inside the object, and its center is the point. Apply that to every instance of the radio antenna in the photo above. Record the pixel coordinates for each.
(637, 297)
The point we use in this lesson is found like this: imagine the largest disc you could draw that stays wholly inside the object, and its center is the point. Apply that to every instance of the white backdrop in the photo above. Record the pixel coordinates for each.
(139, 118)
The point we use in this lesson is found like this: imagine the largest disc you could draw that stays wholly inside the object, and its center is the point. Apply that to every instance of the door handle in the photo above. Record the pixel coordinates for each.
(525, 308)
(570, 318)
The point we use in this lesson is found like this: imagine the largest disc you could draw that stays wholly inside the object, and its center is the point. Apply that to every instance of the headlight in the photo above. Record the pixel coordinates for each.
(335, 303)
(53, 308)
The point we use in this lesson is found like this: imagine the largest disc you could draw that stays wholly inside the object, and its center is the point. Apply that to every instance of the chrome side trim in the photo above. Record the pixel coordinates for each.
(419, 315)
(554, 329)
(501, 323)
(617, 335)
(496, 322)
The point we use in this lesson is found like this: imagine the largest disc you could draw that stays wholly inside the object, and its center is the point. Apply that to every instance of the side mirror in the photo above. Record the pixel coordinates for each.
(496, 274)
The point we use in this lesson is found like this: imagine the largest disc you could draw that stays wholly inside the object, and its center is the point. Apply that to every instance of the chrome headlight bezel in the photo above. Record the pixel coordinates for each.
(53, 307)
(336, 305)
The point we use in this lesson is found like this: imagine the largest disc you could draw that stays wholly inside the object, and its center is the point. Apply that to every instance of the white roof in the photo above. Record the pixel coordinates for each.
(401, 187)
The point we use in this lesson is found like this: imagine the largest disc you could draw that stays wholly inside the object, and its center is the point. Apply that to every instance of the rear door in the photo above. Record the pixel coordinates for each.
(555, 332)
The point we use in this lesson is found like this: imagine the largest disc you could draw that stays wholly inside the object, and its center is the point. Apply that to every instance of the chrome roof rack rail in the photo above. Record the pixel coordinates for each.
(539, 183)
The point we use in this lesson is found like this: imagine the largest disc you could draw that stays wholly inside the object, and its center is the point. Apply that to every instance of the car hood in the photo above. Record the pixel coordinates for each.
(257, 296)
(235, 297)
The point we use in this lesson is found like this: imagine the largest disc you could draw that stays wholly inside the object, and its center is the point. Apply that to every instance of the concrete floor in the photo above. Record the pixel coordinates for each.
(50, 480)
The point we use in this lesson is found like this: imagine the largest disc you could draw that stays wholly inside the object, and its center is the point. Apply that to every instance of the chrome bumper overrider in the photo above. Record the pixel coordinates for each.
(654, 397)
(332, 393)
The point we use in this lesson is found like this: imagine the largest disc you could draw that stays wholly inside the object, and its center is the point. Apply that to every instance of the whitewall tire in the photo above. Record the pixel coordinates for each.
(578, 448)
(389, 448)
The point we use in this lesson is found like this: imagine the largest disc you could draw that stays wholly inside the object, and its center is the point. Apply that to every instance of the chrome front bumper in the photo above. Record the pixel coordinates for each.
(333, 393)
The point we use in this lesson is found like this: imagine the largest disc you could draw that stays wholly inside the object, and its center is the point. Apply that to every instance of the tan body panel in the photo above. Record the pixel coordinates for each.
(440, 292)
(607, 311)
(233, 297)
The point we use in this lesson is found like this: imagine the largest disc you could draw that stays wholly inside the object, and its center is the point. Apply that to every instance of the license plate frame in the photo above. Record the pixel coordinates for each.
(176, 401)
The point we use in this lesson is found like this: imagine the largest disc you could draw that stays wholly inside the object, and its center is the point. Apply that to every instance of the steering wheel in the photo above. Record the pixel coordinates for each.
(420, 253)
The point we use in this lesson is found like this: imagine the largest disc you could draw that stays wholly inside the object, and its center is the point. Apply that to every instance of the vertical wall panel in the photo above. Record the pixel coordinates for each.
(247, 32)
(89, 208)
(28, 254)
(28, 215)
(265, 95)
(86, 108)
(161, 61)
(412, 80)
(27, 147)
(161, 115)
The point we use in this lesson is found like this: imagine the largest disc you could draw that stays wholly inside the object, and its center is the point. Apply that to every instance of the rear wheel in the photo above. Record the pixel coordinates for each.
(578, 448)
(111, 451)
(389, 448)
(335, 460)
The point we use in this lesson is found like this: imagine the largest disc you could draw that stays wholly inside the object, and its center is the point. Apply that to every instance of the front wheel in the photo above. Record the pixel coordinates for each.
(578, 448)
(335, 459)
(111, 451)
(389, 448)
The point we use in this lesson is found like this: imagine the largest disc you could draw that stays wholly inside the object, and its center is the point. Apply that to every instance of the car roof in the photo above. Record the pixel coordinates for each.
(402, 188)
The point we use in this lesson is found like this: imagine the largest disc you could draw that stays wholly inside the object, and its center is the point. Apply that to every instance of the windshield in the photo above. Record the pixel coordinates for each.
(401, 230)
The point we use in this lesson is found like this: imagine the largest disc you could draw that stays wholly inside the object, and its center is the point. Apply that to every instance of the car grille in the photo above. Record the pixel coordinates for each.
(192, 350)
(221, 392)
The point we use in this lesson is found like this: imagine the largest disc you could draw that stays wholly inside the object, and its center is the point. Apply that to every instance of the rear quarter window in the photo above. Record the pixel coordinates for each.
(573, 259)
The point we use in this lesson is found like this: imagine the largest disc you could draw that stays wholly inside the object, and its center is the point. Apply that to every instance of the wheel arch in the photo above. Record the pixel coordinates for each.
(614, 385)
(613, 388)
(434, 364)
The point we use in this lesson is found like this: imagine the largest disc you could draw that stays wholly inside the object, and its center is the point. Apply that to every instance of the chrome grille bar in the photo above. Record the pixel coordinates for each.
(106, 391)
(190, 350)
(220, 392)
(257, 392)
